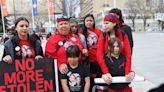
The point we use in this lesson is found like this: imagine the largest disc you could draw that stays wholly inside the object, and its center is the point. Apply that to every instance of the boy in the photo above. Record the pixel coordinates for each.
(77, 78)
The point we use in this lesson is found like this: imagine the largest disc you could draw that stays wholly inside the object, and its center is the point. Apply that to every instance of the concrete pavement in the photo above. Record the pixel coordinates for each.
(148, 59)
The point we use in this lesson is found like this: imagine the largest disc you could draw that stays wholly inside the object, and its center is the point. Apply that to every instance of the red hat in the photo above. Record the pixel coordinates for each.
(111, 17)
(62, 18)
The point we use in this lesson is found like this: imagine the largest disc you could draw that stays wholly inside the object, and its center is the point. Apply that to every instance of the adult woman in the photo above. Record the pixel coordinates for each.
(57, 48)
(92, 34)
(112, 30)
(22, 45)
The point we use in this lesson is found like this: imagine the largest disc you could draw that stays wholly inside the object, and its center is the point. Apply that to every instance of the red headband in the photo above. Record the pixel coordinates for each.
(111, 17)
(63, 18)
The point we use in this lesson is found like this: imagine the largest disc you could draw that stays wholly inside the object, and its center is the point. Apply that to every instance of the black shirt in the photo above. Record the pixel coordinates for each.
(116, 67)
(76, 78)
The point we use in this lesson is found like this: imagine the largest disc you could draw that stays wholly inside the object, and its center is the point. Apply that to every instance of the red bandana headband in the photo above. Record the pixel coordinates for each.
(62, 18)
(111, 17)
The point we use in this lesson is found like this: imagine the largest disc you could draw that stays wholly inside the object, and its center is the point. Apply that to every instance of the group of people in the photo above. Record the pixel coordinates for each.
(82, 54)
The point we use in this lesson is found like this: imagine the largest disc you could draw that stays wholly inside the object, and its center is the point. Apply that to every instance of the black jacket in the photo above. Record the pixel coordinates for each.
(12, 43)
(116, 67)
(128, 31)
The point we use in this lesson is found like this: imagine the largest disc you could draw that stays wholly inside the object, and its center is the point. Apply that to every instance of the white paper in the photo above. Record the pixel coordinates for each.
(120, 79)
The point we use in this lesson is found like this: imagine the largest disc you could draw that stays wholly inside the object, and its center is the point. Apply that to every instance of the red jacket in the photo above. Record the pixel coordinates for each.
(103, 46)
(57, 44)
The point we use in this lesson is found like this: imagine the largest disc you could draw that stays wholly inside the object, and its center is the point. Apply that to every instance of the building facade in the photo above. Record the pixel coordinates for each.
(99, 8)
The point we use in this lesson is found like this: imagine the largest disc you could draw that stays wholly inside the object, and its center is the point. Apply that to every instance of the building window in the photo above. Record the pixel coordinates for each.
(105, 5)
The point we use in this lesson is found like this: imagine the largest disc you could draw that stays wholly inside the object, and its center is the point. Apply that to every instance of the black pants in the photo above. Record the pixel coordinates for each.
(95, 72)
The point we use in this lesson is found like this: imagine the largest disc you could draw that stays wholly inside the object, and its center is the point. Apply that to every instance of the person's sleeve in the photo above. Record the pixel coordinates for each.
(131, 38)
(38, 47)
(63, 76)
(51, 48)
(100, 54)
(127, 53)
(86, 71)
(82, 37)
(61, 57)
(7, 49)
(127, 29)
(81, 46)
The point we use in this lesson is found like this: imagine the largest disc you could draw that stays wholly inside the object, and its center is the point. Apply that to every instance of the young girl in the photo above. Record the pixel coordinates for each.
(77, 78)
(115, 62)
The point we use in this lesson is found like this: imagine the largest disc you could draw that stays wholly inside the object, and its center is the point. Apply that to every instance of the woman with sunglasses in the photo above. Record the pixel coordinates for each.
(22, 45)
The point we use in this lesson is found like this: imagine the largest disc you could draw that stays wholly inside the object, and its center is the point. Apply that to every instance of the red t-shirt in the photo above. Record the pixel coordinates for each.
(27, 50)
(92, 41)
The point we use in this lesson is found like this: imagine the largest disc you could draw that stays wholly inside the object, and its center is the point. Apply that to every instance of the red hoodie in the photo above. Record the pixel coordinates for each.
(103, 46)
(57, 44)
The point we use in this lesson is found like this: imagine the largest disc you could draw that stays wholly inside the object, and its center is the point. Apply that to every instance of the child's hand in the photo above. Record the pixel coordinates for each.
(130, 76)
(107, 78)
(85, 52)
(63, 68)
(8, 59)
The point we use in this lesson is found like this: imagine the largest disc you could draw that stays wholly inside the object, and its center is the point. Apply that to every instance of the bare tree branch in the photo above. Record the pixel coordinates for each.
(133, 11)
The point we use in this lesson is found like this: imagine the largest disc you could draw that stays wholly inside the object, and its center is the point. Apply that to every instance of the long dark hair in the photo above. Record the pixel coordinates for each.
(30, 38)
(16, 23)
(111, 43)
(85, 29)
(116, 27)
(119, 13)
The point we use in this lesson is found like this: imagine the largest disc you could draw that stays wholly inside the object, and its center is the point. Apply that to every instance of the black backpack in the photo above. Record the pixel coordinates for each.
(104, 35)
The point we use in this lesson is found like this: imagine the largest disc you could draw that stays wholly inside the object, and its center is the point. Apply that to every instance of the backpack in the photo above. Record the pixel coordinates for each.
(104, 35)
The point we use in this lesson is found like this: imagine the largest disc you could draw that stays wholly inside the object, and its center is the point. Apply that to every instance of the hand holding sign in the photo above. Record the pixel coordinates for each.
(120, 79)
(8, 59)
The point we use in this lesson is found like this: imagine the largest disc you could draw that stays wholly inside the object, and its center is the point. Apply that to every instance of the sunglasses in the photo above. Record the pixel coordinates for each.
(64, 17)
